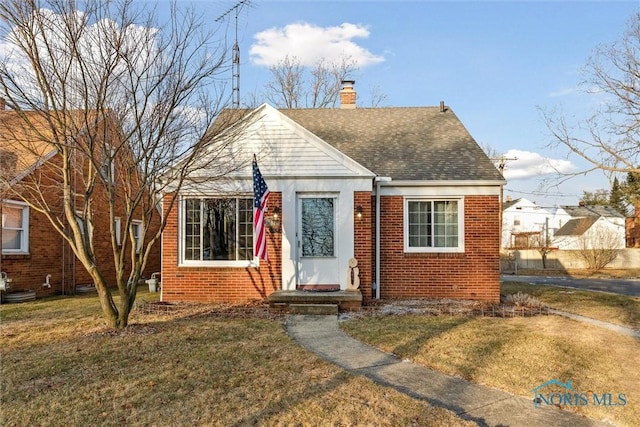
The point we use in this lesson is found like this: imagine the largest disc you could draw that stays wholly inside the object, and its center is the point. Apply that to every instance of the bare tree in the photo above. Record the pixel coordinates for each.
(612, 141)
(294, 86)
(286, 88)
(124, 101)
(598, 247)
(377, 96)
(542, 244)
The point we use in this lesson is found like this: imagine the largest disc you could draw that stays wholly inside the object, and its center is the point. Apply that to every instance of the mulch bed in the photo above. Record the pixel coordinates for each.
(251, 309)
(427, 307)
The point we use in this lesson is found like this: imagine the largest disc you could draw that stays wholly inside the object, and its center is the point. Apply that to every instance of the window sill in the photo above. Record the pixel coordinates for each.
(434, 254)
(458, 250)
(219, 264)
(16, 255)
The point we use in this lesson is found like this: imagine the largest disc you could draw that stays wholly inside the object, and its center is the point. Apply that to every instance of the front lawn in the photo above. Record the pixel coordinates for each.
(518, 354)
(620, 309)
(195, 366)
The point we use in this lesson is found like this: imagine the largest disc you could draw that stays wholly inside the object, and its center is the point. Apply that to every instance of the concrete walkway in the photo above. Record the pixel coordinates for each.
(611, 326)
(484, 405)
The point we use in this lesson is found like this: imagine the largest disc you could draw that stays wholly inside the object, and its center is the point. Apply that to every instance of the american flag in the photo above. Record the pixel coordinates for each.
(260, 196)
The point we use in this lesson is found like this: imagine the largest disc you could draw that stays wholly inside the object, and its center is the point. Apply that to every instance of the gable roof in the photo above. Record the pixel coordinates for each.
(592, 210)
(508, 203)
(409, 143)
(283, 148)
(577, 226)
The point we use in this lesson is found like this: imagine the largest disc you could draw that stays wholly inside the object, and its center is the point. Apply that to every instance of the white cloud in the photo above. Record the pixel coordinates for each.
(309, 43)
(530, 164)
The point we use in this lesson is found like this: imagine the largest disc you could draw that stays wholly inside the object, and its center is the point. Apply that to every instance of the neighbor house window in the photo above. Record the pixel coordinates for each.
(80, 220)
(117, 225)
(15, 227)
(108, 166)
(218, 229)
(136, 227)
(433, 225)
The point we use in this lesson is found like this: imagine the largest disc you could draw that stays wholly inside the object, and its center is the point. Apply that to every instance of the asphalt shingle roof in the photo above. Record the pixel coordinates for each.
(411, 143)
(576, 227)
(593, 210)
(507, 204)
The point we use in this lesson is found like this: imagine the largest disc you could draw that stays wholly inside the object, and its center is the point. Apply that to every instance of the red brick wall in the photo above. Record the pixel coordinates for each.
(633, 229)
(49, 255)
(473, 274)
(364, 240)
(216, 284)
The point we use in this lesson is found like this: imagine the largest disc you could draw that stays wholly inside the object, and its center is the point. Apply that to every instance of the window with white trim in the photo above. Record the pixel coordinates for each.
(217, 230)
(433, 225)
(136, 227)
(108, 166)
(15, 227)
(117, 225)
(80, 220)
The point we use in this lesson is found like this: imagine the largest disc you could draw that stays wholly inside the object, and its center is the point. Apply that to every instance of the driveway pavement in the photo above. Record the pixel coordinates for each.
(630, 287)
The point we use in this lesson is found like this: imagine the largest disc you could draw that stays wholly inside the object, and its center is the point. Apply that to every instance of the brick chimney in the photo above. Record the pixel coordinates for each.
(347, 94)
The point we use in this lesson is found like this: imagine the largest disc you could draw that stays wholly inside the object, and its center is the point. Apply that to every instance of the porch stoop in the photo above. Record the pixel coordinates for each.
(291, 300)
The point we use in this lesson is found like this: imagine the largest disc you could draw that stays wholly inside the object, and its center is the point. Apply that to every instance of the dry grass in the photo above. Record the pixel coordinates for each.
(194, 366)
(516, 354)
(613, 308)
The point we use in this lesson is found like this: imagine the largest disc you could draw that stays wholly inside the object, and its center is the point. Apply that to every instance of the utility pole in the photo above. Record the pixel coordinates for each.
(502, 162)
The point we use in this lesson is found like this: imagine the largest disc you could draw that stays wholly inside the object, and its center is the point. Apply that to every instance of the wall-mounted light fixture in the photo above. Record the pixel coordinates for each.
(273, 222)
(359, 212)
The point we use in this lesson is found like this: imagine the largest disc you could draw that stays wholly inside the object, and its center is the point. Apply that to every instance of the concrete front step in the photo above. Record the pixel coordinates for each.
(314, 309)
(345, 300)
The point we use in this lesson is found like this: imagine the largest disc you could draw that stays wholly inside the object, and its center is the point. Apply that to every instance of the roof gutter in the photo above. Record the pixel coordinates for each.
(448, 183)
(378, 180)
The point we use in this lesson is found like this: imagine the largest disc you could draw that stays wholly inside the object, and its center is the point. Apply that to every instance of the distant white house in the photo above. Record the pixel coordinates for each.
(523, 223)
(527, 225)
(589, 227)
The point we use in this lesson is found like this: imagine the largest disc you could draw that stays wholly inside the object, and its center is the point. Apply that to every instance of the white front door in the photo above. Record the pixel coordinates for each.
(317, 257)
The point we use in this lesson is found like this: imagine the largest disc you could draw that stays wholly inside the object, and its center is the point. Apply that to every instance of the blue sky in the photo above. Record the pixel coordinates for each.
(494, 63)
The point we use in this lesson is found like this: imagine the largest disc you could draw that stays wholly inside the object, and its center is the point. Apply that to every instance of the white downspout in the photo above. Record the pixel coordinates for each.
(378, 180)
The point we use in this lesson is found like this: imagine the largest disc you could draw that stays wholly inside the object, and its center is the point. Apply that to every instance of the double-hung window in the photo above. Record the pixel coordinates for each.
(108, 166)
(15, 227)
(433, 225)
(136, 227)
(217, 231)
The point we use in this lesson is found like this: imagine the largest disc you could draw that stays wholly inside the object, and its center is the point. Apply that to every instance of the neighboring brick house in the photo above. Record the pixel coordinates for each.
(633, 228)
(33, 252)
(406, 191)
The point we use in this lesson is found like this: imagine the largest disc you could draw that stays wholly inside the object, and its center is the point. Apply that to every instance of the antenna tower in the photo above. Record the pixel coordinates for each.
(235, 66)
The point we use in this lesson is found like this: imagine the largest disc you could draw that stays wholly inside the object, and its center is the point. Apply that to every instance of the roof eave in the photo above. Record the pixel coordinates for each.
(26, 172)
(444, 183)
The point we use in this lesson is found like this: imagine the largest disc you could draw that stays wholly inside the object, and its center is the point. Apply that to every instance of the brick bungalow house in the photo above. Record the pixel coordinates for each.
(33, 252)
(407, 192)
